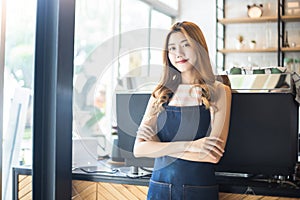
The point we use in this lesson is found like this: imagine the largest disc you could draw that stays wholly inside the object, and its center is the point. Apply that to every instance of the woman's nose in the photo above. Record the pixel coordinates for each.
(179, 52)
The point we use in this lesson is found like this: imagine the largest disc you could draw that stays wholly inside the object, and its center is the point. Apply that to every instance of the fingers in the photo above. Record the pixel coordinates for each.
(208, 146)
(214, 143)
(212, 147)
(213, 138)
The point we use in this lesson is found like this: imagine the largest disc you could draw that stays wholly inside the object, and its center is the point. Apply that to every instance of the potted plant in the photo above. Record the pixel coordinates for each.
(252, 44)
(239, 42)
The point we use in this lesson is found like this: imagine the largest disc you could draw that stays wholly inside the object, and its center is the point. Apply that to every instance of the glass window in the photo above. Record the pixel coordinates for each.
(172, 3)
(160, 20)
(134, 37)
(160, 24)
(18, 88)
(94, 43)
(110, 43)
(146, 58)
(134, 15)
(111, 46)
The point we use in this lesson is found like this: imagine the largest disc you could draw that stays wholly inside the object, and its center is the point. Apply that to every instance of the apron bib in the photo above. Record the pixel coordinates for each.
(178, 179)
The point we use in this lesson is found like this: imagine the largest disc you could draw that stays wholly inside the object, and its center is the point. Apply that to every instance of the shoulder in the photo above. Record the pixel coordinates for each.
(221, 86)
(222, 90)
(152, 101)
(153, 106)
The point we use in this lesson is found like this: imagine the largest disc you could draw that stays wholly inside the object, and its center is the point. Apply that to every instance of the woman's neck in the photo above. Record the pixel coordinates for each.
(187, 77)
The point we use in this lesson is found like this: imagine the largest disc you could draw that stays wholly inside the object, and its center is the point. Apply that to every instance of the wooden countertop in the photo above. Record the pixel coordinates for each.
(230, 188)
(230, 196)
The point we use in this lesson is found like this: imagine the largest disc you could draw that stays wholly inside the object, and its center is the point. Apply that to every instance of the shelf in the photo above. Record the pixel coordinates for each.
(292, 18)
(248, 20)
(226, 27)
(247, 50)
(290, 49)
(285, 18)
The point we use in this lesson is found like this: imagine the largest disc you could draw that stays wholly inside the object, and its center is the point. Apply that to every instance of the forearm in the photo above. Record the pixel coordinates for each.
(196, 157)
(156, 149)
(220, 124)
(209, 151)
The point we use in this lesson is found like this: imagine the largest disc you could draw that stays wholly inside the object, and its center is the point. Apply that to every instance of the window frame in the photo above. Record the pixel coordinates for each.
(2, 57)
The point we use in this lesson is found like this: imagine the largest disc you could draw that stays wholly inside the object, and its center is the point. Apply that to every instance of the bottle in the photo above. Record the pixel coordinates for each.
(297, 65)
(288, 63)
(286, 42)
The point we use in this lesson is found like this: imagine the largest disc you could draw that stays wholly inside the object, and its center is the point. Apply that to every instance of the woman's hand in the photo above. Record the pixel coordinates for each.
(207, 146)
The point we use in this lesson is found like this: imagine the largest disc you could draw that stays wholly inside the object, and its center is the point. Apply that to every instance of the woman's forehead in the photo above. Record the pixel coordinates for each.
(176, 38)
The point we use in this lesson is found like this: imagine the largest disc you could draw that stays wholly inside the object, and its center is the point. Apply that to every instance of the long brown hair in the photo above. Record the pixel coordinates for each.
(171, 78)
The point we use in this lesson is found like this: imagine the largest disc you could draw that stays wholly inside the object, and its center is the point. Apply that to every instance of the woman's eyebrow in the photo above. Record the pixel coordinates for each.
(185, 40)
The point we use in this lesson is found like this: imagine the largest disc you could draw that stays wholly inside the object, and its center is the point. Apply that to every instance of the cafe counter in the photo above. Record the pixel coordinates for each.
(117, 182)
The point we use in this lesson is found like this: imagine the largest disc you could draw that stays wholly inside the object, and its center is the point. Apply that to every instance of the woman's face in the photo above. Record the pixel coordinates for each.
(181, 53)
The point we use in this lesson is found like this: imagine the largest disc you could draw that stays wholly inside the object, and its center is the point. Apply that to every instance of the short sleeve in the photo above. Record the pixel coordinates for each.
(148, 127)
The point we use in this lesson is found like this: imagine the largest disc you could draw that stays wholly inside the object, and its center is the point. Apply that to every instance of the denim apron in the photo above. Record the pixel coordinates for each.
(178, 179)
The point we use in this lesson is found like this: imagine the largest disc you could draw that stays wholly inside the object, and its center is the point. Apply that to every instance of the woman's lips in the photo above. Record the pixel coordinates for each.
(181, 61)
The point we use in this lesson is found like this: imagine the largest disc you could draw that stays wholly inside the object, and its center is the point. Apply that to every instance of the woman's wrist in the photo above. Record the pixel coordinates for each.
(186, 145)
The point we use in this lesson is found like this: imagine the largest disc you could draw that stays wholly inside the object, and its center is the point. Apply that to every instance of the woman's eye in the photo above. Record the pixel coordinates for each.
(171, 49)
(186, 45)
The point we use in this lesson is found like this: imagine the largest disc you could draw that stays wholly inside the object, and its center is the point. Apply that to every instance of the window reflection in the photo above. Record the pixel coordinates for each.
(134, 36)
(172, 3)
(160, 23)
(18, 88)
(160, 20)
(110, 47)
(134, 15)
(100, 58)
(94, 27)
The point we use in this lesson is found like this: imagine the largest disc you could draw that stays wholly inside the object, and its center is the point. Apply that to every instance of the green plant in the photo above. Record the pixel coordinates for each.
(98, 114)
(240, 38)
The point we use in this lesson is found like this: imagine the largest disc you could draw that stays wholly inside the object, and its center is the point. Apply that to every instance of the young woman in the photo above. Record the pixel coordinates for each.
(186, 122)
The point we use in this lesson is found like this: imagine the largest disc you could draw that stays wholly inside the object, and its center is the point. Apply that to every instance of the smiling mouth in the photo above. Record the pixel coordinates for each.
(181, 61)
